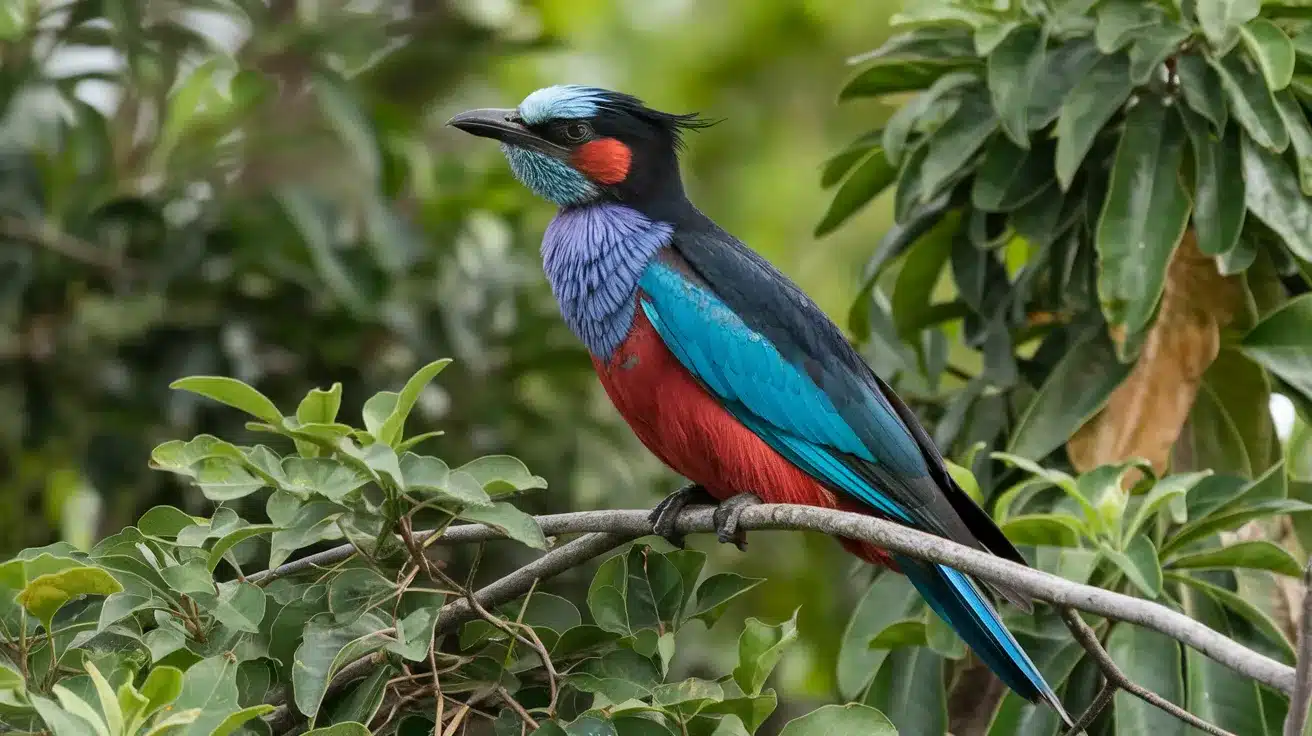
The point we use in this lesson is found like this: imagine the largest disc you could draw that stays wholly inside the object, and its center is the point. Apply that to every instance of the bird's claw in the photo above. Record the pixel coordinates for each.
(726, 518)
(666, 513)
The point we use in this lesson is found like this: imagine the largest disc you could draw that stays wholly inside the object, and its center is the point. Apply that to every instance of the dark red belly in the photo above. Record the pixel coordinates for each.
(688, 429)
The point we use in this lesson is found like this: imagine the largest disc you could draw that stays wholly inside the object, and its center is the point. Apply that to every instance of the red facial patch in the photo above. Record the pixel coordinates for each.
(605, 160)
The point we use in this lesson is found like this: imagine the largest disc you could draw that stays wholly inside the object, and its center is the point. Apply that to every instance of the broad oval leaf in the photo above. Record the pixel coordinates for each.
(1251, 102)
(1280, 342)
(1087, 109)
(1271, 49)
(232, 392)
(871, 178)
(1221, 19)
(1150, 660)
(1253, 555)
(1014, 67)
(852, 718)
(887, 76)
(1143, 218)
(1219, 208)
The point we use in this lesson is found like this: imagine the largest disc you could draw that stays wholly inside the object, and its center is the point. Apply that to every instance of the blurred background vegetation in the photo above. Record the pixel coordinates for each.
(266, 190)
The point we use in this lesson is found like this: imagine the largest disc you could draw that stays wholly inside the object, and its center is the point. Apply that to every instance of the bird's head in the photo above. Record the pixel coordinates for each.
(574, 145)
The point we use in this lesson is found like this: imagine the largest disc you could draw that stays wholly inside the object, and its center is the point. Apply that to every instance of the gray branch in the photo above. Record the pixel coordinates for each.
(613, 528)
(1302, 695)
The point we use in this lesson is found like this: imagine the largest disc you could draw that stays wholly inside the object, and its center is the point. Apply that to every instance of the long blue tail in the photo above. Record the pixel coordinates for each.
(959, 601)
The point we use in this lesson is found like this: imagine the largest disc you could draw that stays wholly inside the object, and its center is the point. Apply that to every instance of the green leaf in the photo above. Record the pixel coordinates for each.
(209, 686)
(235, 721)
(1010, 177)
(313, 522)
(364, 700)
(221, 479)
(619, 675)
(512, 522)
(1224, 521)
(350, 728)
(1143, 218)
(60, 721)
(1152, 47)
(326, 477)
(45, 594)
(1066, 483)
(1119, 20)
(1076, 389)
(830, 720)
(1139, 563)
(429, 475)
(164, 522)
(759, 648)
(353, 591)
(162, 686)
(910, 632)
(181, 457)
(232, 539)
(239, 606)
(1215, 692)
(919, 273)
(232, 392)
(653, 589)
(1280, 341)
(1222, 19)
(1255, 555)
(1251, 102)
(1163, 493)
(915, 115)
(871, 178)
(1235, 603)
(890, 599)
(1202, 89)
(1300, 136)
(715, 592)
(956, 142)
(606, 595)
(1014, 67)
(1088, 108)
(687, 697)
(325, 649)
(320, 406)
(392, 429)
(888, 76)
(1218, 213)
(189, 577)
(502, 474)
(308, 215)
(751, 711)
(1271, 49)
(909, 690)
(1151, 660)
(80, 709)
(942, 638)
(1054, 530)
(838, 165)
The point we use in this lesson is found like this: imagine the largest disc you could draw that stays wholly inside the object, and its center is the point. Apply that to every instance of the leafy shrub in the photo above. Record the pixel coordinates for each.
(161, 628)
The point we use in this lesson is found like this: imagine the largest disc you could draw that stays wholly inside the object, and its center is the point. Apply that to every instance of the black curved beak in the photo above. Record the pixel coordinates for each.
(505, 126)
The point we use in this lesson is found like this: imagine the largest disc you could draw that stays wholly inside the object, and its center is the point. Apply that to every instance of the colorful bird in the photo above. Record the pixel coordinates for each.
(723, 367)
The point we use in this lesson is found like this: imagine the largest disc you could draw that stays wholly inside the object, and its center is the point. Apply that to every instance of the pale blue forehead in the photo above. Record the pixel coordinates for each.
(561, 101)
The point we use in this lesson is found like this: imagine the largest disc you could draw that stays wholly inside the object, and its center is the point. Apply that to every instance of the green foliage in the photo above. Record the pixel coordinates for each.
(1045, 172)
(151, 632)
(1160, 540)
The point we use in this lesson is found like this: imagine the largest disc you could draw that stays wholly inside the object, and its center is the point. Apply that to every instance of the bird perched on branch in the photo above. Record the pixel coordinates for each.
(723, 367)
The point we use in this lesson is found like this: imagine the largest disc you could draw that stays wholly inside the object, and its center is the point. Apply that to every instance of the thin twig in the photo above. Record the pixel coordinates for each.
(1103, 699)
(509, 700)
(1300, 699)
(452, 615)
(1088, 639)
(1043, 586)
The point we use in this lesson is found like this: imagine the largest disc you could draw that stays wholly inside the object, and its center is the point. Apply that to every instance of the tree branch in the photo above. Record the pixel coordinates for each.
(1088, 639)
(454, 614)
(629, 524)
(1302, 694)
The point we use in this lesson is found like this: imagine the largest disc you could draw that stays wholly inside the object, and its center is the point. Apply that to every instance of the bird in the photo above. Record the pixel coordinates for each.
(723, 367)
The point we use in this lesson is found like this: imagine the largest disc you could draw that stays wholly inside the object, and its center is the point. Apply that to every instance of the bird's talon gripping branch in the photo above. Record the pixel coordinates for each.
(666, 513)
(726, 519)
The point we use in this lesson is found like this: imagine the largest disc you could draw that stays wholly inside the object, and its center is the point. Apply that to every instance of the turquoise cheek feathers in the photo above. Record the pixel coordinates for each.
(550, 178)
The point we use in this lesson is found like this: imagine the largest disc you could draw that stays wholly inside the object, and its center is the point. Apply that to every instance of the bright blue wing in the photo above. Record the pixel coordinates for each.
(766, 392)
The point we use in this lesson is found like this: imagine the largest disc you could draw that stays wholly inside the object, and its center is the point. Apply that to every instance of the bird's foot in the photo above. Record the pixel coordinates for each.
(726, 519)
(666, 513)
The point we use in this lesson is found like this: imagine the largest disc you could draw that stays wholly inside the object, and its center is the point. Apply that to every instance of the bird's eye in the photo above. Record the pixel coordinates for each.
(576, 132)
